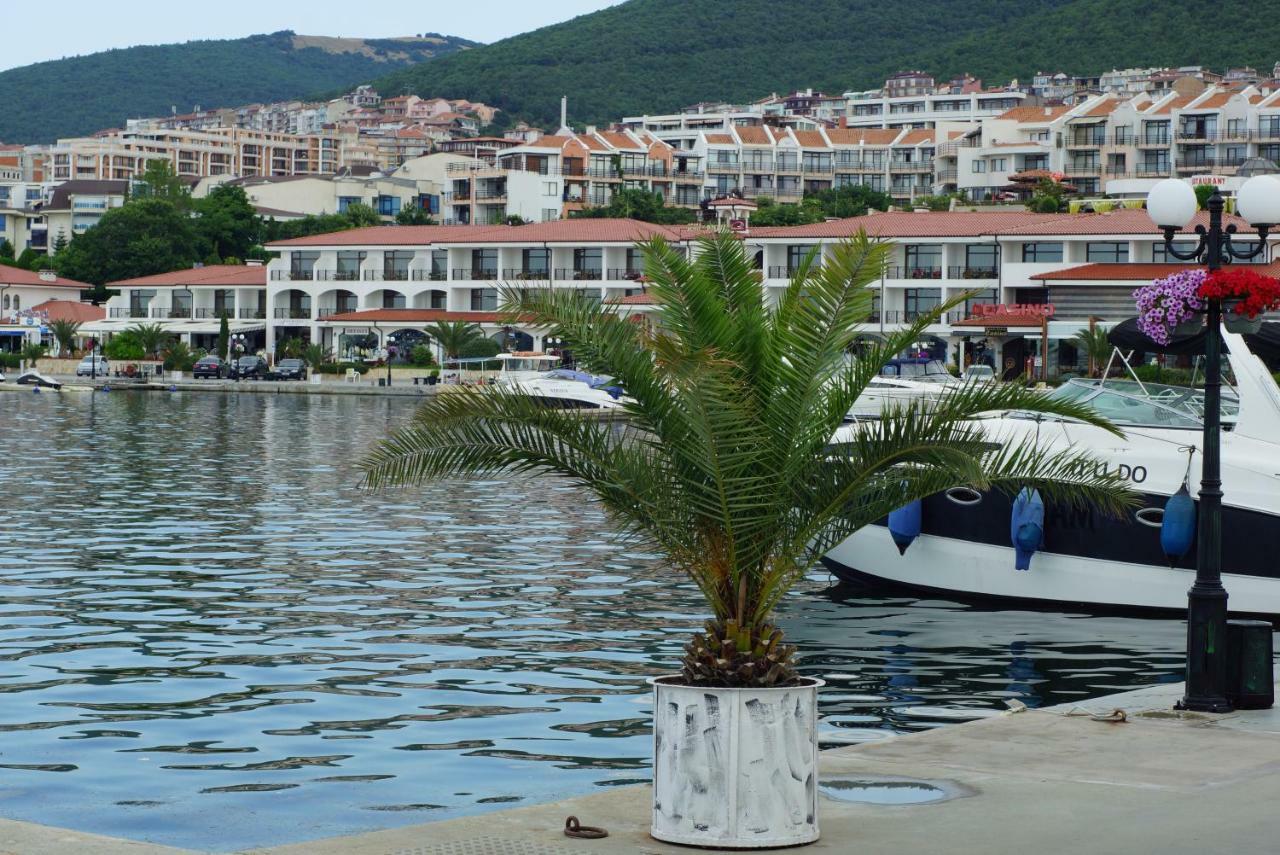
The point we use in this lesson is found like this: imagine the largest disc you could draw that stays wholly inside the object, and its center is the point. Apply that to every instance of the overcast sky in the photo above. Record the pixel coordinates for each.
(36, 32)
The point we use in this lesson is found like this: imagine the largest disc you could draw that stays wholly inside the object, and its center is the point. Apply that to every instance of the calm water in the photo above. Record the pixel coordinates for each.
(210, 637)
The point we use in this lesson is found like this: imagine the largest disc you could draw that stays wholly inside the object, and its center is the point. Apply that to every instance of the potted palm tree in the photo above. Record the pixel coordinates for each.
(727, 467)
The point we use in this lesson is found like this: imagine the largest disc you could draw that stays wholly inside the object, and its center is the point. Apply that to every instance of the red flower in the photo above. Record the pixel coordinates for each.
(1250, 291)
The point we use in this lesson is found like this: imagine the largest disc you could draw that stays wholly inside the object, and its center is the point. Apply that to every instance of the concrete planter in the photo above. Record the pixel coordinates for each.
(735, 768)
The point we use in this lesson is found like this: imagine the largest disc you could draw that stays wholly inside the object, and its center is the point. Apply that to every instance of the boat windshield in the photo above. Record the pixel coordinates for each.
(932, 371)
(1126, 402)
(535, 363)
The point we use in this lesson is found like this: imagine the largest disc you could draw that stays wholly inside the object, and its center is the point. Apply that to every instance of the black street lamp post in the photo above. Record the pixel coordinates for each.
(1207, 599)
(390, 341)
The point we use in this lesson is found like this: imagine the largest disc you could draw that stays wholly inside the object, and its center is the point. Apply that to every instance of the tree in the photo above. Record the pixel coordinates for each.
(152, 338)
(224, 337)
(158, 181)
(6, 250)
(771, 213)
(290, 348)
(1094, 344)
(1203, 192)
(315, 355)
(143, 237)
(640, 205)
(415, 216)
(454, 336)
(177, 356)
(851, 200)
(124, 347)
(480, 348)
(361, 216)
(32, 259)
(64, 332)
(228, 226)
(1047, 197)
(727, 465)
(60, 242)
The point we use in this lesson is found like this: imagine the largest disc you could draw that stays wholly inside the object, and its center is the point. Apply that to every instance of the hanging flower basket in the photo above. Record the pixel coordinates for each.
(1167, 304)
(1245, 295)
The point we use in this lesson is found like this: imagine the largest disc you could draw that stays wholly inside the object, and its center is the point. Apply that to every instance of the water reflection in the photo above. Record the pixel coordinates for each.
(201, 615)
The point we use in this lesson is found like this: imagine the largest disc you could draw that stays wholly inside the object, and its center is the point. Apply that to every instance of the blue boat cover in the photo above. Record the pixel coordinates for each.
(1026, 527)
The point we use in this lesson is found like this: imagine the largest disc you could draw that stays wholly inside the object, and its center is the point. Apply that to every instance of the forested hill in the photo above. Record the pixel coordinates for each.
(648, 56)
(83, 94)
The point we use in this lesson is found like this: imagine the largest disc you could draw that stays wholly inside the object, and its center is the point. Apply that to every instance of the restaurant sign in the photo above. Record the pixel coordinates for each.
(1021, 311)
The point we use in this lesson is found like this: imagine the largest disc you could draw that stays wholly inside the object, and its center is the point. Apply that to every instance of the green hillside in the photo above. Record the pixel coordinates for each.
(83, 94)
(648, 56)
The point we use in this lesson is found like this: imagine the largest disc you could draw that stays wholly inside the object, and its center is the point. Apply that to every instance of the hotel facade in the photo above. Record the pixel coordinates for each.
(1033, 280)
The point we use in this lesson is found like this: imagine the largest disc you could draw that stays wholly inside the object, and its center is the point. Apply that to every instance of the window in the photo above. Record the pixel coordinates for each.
(388, 206)
(980, 260)
(924, 261)
(392, 299)
(345, 202)
(1155, 133)
(979, 166)
(795, 255)
(998, 164)
(224, 302)
(484, 261)
(986, 297)
(1160, 254)
(588, 260)
(537, 262)
(1041, 253)
(484, 299)
(139, 303)
(1235, 127)
(1124, 135)
(918, 301)
(549, 188)
(1108, 252)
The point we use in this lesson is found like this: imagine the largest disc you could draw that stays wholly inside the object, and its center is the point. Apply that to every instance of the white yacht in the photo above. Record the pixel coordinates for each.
(901, 381)
(539, 375)
(964, 544)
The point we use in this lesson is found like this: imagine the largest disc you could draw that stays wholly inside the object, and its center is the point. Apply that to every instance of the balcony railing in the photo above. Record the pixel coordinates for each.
(787, 271)
(475, 273)
(818, 168)
(1086, 141)
(294, 275)
(788, 166)
(522, 275)
(129, 312)
(896, 272)
(617, 274)
(1148, 170)
(431, 275)
(975, 272)
(762, 165)
(859, 166)
(491, 195)
(722, 166)
(1147, 140)
(293, 313)
(925, 165)
(206, 313)
(579, 275)
(251, 314)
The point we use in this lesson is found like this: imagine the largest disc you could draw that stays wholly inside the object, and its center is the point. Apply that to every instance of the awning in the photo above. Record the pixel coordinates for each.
(1264, 344)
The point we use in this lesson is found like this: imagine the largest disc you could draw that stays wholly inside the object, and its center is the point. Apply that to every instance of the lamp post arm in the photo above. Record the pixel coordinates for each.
(1194, 255)
(1230, 252)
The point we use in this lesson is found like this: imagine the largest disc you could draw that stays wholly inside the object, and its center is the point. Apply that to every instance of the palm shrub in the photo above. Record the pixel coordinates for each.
(32, 352)
(1095, 345)
(314, 355)
(726, 464)
(178, 356)
(152, 338)
(65, 333)
(454, 337)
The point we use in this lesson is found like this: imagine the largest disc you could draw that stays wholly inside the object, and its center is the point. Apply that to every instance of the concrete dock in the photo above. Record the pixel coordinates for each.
(1038, 781)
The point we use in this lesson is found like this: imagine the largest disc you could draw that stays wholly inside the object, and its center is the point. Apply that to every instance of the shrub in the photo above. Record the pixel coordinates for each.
(10, 360)
(123, 347)
(32, 352)
(1152, 373)
(422, 356)
(479, 347)
(178, 357)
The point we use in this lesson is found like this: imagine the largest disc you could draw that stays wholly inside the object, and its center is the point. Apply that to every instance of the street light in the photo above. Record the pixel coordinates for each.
(390, 341)
(1171, 205)
(237, 345)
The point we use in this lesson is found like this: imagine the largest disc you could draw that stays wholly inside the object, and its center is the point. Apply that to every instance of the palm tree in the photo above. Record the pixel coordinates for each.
(1094, 344)
(64, 332)
(726, 464)
(151, 337)
(454, 337)
(315, 355)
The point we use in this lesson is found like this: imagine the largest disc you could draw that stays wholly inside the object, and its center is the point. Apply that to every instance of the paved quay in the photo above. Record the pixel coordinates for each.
(1046, 781)
(331, 385)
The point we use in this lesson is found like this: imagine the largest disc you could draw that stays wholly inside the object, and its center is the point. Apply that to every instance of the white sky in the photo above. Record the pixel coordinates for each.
(87, 26)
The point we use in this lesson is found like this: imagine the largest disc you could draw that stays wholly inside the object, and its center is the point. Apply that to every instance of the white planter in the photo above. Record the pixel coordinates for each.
(735, 768)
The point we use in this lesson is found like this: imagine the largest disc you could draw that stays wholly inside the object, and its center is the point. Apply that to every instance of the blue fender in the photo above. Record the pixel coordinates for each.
(1178, 528)
(1026, 527)
(904, 525)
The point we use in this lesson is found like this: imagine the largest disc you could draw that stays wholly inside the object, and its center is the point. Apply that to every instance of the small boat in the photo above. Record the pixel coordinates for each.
(35, 378)
(967, 542)
(571, 389)
(902, 381)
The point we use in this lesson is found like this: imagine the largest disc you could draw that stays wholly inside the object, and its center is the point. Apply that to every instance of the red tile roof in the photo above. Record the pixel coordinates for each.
(18, 276)
(70, 310)
(390, 236)
(1033, 115)
(1104, 108)
(916, 137)
(867, 136)
(573, 230)
(1137, 272)
(227, 275)
(1122, 221)
(810, 139)
(753, 135)
(637, 300)
(719, 139)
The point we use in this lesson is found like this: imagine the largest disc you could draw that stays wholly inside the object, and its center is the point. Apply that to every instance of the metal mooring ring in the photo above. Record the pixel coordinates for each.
(573, 828)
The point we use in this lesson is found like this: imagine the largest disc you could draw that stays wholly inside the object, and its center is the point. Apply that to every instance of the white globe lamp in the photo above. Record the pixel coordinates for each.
(1258, 201)
(1172, 203)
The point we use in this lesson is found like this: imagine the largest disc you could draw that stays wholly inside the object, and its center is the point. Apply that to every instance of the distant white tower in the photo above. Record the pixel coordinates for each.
(564, 117)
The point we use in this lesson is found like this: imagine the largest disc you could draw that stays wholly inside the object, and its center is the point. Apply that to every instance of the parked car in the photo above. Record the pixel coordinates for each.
(291, 369)
(254, 367)
(208, 366)
(92, 365)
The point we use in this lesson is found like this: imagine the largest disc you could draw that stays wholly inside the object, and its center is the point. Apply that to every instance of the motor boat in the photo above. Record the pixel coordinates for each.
(900, 382)
(35, 378)
(571, 389)
(966, 544)
(520, 366)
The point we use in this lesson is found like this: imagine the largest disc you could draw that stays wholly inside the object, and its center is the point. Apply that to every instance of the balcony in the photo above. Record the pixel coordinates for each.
(913, 272)
(476, 273)
(292, 275)
(722, 166)
(948, 176)
(337, 275)
(293, 313)
(788, 167)
(431, 275)
(1086, 141)
(1083, 170)
(818, 169)
(923, 165)
(491, 195)
(387, 275)
(1152, 170)
(251, 314)
(129, 312)
(976, 272)
(520, 274)
(579, 275)
(760, 165)
(618, 274)
(859, 166)
(1197, 135)
(1153, 141)
(206, 313)
(1199, 164)
(689, 176)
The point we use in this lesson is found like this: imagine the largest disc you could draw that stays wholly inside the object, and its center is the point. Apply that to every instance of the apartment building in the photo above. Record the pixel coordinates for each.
(25, 300)
(293, 196)
(21, 222)
(878, 109)
(77, 206)
(122, 155)
(1121, 146)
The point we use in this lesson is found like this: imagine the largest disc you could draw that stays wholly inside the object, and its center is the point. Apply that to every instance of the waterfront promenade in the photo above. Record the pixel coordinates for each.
(1045, 781)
